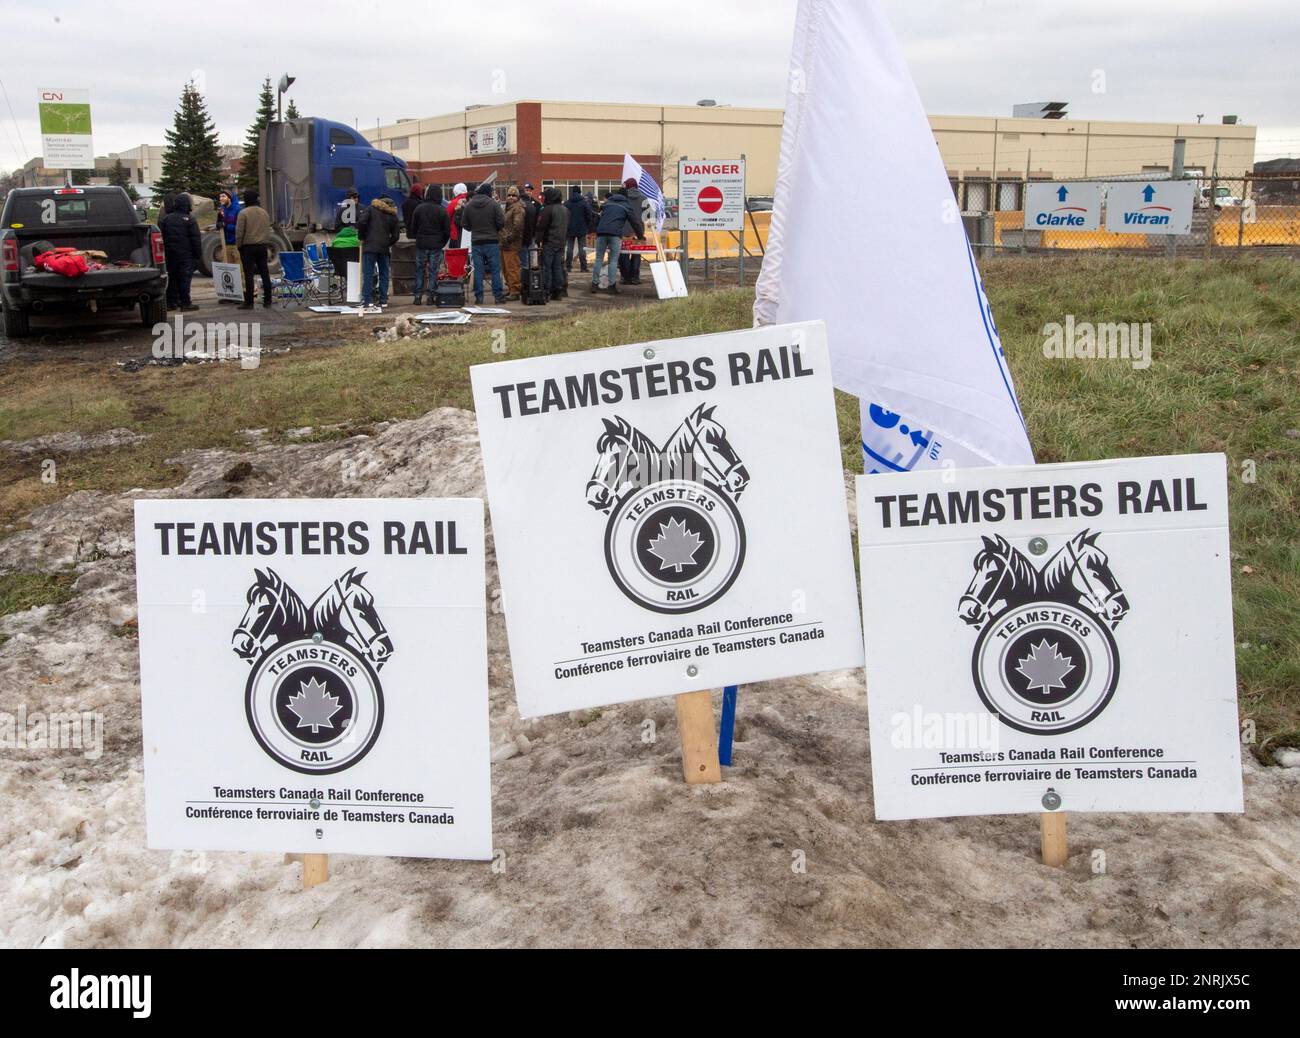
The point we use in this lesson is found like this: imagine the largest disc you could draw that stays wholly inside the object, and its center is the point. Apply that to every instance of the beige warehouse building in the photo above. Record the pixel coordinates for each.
(567, 142)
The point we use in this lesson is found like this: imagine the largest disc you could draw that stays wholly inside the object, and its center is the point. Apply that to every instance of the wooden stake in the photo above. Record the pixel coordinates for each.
(699, 740)
(1056, 845)
(315, 870)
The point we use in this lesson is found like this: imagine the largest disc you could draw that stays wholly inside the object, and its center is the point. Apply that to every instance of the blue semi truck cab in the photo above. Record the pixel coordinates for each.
(308, 166)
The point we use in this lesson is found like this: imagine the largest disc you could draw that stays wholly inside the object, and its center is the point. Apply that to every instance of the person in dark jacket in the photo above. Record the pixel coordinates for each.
(629, 263)
(409, 205)
(430, 227)
(379, 228)
(615, 215)
(182, 244)
(483, 217)
(552, 229)
(581, 219)
(531, 209)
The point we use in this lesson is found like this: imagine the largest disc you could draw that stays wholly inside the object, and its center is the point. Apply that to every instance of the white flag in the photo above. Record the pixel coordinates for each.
(633, 170)
(911, 331)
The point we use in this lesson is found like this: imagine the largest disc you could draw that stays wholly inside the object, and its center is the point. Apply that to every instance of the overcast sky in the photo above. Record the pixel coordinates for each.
(1162, 60)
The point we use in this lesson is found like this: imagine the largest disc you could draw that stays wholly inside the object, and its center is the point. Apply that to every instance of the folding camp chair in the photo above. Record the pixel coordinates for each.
(297, 285)
(321, 267)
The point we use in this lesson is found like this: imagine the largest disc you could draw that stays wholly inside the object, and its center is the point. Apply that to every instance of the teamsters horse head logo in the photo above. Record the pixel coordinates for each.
(1045, 660)
(313, 699)
(674, 541)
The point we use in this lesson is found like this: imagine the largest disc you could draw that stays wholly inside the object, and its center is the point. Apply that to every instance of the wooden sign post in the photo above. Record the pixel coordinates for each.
(699, 741)
(315, 870)
(1055, 843)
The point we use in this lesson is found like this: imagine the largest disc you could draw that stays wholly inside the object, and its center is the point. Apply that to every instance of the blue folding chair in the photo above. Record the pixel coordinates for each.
(296, 285)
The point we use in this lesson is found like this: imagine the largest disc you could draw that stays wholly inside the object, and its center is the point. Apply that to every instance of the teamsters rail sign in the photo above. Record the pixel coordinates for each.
(314, 676)
(668, 516)
(1084, 618)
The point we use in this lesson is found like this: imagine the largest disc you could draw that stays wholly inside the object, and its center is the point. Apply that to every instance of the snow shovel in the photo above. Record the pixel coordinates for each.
(669, 283)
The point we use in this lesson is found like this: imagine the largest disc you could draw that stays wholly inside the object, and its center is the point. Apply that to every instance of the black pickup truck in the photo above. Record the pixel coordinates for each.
(36, 219)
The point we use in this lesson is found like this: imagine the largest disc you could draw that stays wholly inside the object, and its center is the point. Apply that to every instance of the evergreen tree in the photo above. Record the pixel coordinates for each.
(192, 161)
(119, 177)
(292, 111)
(81, 176)
(253, 139)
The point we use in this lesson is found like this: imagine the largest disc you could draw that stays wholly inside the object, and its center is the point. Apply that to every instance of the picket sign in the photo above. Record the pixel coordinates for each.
(667, 274)
(642, 501)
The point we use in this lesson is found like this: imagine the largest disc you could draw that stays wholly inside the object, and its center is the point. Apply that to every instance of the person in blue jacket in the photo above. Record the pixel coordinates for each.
(227, 216)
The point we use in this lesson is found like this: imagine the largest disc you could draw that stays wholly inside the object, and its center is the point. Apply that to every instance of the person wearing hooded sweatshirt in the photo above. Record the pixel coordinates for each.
(379, 228)
(459, 194)
(512, 237)
(182, 246)
(430, 227)
(552, 229)
(408, 207)
(615, 215)
(253, 239)
(581, 219)
(484, 219)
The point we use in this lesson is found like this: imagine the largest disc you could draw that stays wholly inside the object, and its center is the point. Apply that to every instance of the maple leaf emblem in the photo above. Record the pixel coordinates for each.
(675, 546)
(1045, 668)
(314, 706)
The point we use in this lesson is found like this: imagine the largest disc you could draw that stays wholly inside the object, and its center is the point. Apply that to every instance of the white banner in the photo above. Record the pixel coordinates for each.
(668, 516)
(314, 676)
(1059, 629)
(910, 328)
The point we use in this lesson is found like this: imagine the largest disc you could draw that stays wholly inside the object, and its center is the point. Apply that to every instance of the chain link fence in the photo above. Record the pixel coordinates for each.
(1254, 214)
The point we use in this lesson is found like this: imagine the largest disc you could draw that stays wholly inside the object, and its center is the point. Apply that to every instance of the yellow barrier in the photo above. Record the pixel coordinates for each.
(725, 244)
(1273, 225)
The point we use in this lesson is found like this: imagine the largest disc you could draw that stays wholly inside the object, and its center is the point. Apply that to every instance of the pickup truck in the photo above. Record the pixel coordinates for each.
(92, 218)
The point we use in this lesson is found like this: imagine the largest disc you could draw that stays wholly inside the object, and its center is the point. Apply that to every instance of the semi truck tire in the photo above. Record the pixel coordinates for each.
(210, 251)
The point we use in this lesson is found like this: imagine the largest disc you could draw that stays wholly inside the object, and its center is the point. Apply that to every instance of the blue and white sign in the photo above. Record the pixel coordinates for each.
(1063, 207)
(1150, 207)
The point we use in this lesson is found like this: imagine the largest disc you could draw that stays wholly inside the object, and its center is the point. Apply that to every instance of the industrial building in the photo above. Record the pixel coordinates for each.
(568, 142)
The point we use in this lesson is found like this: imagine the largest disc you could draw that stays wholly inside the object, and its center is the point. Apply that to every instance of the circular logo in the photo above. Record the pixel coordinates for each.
(709, 199)
(1046, 668)
(675, 546)
(315, 708)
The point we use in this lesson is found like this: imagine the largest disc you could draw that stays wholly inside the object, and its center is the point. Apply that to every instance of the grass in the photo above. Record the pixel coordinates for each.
(27, 590)
(1225, 376)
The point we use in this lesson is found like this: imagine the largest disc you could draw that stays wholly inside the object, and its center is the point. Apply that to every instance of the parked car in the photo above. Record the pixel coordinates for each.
(759, 203)
(1222, 196)
(37, 219)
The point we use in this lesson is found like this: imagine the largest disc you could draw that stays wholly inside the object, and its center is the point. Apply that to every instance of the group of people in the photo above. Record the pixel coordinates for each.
(505, 241)
(245, 229)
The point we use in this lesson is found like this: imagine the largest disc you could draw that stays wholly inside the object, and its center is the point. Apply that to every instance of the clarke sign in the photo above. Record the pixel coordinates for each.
(1065, 207)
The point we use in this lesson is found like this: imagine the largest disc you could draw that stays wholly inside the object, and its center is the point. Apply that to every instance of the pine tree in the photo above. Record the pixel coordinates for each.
(119, 177)
(253, 139)
(292, 111)
(192, 161)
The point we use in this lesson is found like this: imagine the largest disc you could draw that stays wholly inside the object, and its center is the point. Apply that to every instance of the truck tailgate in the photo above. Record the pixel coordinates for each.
(91, 281)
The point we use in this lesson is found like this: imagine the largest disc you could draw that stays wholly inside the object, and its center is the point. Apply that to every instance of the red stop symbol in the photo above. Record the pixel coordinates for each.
(710, 199)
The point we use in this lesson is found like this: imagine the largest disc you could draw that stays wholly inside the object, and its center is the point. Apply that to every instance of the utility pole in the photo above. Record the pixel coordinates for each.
(1177, 172)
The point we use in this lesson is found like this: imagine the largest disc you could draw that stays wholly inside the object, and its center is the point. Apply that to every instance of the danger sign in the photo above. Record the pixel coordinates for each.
(712, 195)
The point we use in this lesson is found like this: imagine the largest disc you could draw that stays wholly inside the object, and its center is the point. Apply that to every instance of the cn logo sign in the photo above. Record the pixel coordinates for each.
(50, 95)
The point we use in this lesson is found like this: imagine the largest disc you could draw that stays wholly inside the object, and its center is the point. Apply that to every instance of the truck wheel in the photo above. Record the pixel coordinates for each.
(18, 324)
(212, 251)
(153, 312)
